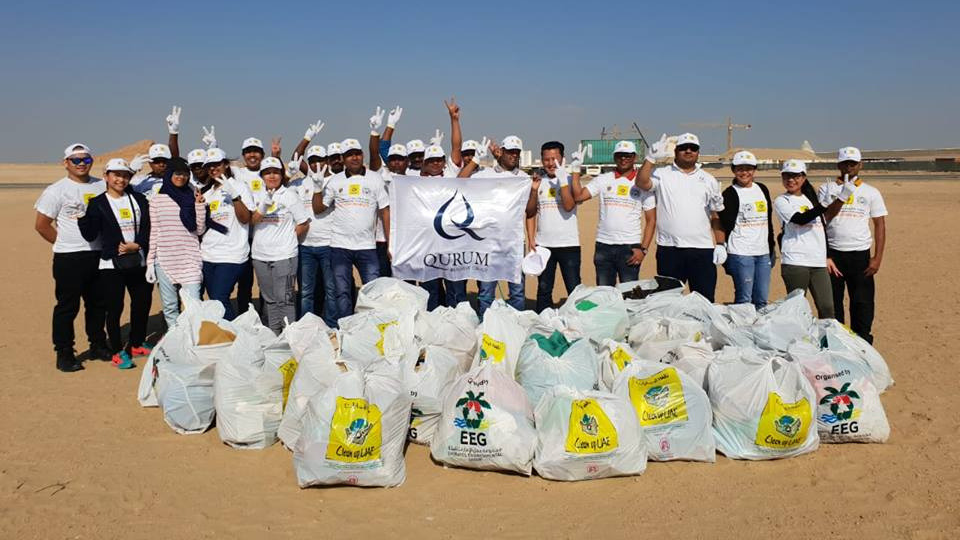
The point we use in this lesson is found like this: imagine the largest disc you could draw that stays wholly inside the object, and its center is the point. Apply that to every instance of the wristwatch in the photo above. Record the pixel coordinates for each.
(640, 247)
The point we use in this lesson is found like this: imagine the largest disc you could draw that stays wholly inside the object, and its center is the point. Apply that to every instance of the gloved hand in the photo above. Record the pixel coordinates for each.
(293, 166)
(437, 138)
(577, 158)
(562, 175)
(848, 189)
(317, 175)
(312, 130)
(209, 138)
(138, 162)
(658, 150)
(229, 187)
(715, 202)
(376, 121)
(394, 116)
(173, 121)
(151, 274)
(482, 152)
(719, 254)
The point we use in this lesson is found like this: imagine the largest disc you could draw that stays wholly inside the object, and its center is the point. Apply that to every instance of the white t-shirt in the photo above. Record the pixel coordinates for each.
(319, 233)
(65, 201)
(356, 201)
(125, 218)
(387, 180)
(802, 245)
(850, 229)
(498, 172)
(684, 204)
(252, 178)
(555, 226)
(622, 205)
(750, 235)
(234, 246)
(147, 185)
(275, 237)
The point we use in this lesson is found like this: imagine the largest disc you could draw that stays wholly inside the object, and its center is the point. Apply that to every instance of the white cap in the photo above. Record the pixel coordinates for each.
(688, 138)
(415, 146)
(76, 148)
(794, 166)
(197, 155)
(215, 155)
(270, 163)
(118, 164)
(469, 144)
(316, 150)
(625, 147)
(350, 144)
(511, 142)
(397, 150)
(158, 151)
(251, 142)
(433, 151)
(535, 261)
(848, 153)
(333, 149)
(744, 158)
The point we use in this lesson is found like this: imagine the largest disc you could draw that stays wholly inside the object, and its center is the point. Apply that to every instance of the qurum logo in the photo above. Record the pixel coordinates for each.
(463, 226)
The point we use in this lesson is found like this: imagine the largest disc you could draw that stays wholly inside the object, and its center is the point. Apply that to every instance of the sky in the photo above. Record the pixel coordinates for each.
(878, 75)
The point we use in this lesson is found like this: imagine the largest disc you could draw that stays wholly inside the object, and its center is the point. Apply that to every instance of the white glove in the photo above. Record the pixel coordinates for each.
(139, 161)
(577, 158)
(312, 130)
(437, 138)
(228, 187)
(482, 152)
(209, 138)
(173, 121)
(394, 116)
(719, 254)
(293, 166)
(264, 204)
(847, 191)
(376, 121)
(658, 150)
(562, 175)
(716, 202)
(151, 274)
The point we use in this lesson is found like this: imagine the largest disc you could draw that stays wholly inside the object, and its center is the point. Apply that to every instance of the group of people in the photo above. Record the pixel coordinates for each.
(201, 225)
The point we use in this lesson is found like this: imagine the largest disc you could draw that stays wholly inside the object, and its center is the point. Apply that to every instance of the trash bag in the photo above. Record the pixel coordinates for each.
(695, 307)
(641, 289)
(185, 395)
(762, 408)
(500, 336)
(391, 293)
(692, 358)
(614, 357)
(434, 369)
(363, 338)
(653, 337)
(305, 333)
(597, 312)
(783, 322)
(738, 314)
(548, 361)
(454, 329)
(354, 431)
(486, 423)
(316, 370)
(587, 435)
(837, 337)
(672, 409)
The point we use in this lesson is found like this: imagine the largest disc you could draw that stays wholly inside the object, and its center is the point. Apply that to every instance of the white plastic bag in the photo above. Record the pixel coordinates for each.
(500, 336)
(652, 338)
(586, 435)
(454, 329)
(692, 358)
(392, 293)
(316, 370)
(363, 336)
(538, 370)
(429, 376)
(597, 312)
(614, 357)
(185, 394)
(782, 322)
(836, 337)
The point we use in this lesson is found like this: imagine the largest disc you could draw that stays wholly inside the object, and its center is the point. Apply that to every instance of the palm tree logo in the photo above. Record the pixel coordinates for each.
(841, 403)
(472, 412)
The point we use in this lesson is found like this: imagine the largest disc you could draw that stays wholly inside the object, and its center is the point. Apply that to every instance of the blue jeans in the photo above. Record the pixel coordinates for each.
(315, 267)
(456, 291)
(569, 260)
(443, 292)
(219, 279)
(751, 278)
(343, 261)
(170, 298)
(611, 262)
(488, 291)
(383, 255)
(692, 265)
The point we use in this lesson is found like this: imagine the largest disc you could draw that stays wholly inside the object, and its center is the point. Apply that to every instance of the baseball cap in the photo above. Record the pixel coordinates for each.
(535, 261)
(270, 163)
(744, 158)
(848, 153)
(251, 142)
(197, 155)
(469, 144)
(688, 138)
(159, 151)
(433, 151)
(415, 146)
(76, 148)
(333, 149)
(316, 150)
(511, 142)
(397, 150)
(118, 164)
(794, 166)
(625, 147)
(215, 155)
(350, 144)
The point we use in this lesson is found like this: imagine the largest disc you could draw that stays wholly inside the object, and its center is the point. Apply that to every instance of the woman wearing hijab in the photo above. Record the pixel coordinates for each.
(177, 219)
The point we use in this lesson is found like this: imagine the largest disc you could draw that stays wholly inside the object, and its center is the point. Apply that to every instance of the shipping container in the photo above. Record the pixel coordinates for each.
(603, 151)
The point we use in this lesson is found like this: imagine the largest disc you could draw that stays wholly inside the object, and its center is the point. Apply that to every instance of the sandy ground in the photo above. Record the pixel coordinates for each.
(79, 458)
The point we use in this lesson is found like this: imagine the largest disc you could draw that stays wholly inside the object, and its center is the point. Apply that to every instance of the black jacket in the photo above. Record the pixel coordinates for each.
(100, 221)
(731, 208)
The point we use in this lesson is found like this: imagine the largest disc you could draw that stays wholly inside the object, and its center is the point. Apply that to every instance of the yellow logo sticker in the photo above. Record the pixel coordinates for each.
(804, 208)
(552, 192)
(659, 399)
(288, 369)
(491, 349)
(87, 197)
(382, 327)
(761, 206)
(591, 431)
(621, 358)
(623, 190)
(214, 206)
(783, 425)
(354, 190)
(849, 200)
(354, 432)
(125, 213)
(256, 185)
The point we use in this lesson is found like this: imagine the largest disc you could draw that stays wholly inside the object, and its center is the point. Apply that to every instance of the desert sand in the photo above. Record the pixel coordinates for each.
(79, 458)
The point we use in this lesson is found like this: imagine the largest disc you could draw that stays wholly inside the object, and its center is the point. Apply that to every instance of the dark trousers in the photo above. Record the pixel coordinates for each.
(77, 275)
(692, 265)
(342, 261)
(860, 288)
(245, 287)
(568, 258)
(611, 262)
(114, 284)
(383, 259)
(219, 280)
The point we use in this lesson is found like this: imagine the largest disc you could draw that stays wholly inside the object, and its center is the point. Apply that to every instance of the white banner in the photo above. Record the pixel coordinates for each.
(458, 228)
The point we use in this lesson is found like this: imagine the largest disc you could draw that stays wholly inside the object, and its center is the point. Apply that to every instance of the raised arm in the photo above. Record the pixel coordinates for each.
(656, 152)
(456, 137)
(482, 153)
(374, 146)
(173, 127)
(532, 200)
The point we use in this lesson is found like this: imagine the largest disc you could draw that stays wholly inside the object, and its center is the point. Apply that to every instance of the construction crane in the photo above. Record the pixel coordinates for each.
(729, 125)
(615, 133)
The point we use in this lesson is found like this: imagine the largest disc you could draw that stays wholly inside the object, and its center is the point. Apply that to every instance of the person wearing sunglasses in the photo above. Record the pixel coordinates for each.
(76, 260)
(690, 239)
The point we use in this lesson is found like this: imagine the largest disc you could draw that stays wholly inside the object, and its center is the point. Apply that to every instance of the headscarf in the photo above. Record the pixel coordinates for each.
(184, 196)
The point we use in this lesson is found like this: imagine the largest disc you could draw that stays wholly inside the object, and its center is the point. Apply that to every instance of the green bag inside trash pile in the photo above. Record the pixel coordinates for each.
(555, 345)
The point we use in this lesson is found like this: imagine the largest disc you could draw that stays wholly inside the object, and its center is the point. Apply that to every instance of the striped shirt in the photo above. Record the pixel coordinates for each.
(172, 246)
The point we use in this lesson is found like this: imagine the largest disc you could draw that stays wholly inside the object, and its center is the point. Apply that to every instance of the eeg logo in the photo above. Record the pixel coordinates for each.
(463, 226)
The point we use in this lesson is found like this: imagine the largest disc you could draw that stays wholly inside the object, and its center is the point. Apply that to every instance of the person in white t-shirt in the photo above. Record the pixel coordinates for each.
(76, 261)
(442, 291)
(196, 160)
(225, 247)
(158, 157)
(747, 223)
(279, 222)
(357, 196)
(803, 245)
(415, 150)
(849, 241)
(689, 236)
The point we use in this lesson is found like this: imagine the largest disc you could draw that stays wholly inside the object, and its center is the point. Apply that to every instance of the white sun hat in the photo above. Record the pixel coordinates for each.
(535, 261)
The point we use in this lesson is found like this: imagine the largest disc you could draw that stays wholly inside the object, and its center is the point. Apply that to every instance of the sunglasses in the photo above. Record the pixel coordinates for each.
(81, 160)
(688, 147)
(196, 165)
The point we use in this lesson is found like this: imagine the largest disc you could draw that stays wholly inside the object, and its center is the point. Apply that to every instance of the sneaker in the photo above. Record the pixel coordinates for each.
(143, 350)
(122, 360)
(67, 362)
(99, 351)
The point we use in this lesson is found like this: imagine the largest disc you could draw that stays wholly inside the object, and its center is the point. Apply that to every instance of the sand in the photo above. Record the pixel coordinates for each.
(79, 458)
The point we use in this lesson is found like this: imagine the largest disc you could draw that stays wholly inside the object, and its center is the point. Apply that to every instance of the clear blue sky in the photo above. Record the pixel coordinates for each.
(874, 74)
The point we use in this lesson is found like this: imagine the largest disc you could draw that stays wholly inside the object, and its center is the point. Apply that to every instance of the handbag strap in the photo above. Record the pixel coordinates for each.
(133, 210)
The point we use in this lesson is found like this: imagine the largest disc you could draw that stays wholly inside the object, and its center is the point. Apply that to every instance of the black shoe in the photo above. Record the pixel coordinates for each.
(67, 362)
(99, 351)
